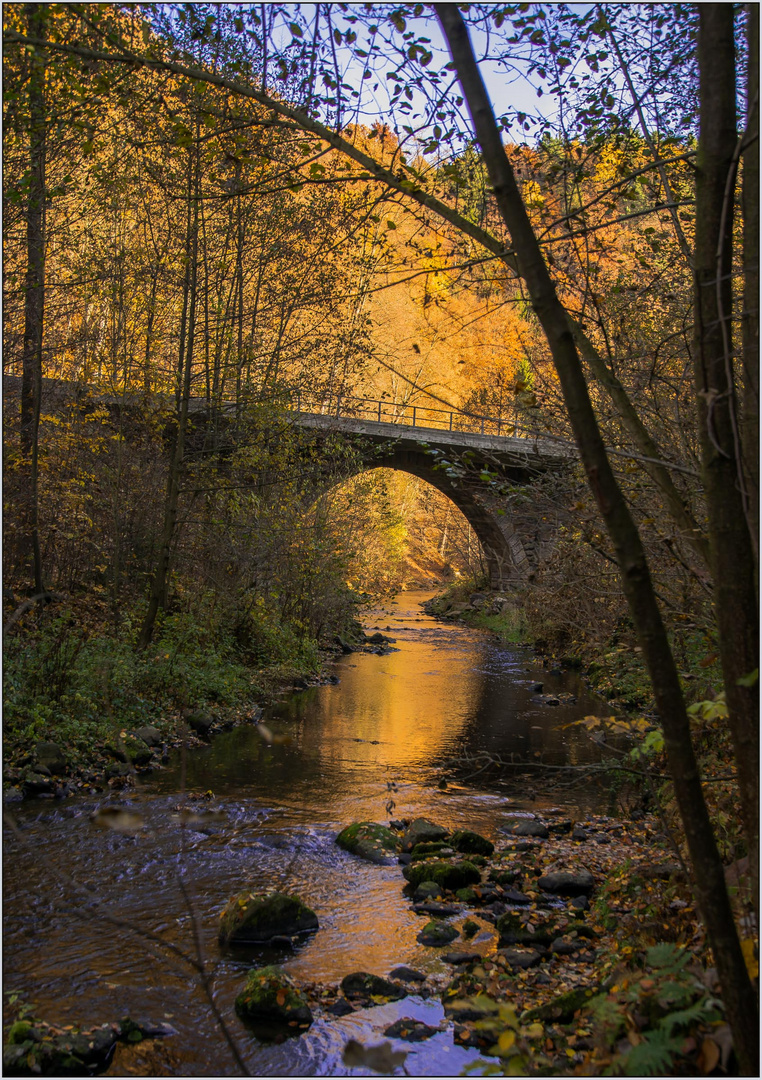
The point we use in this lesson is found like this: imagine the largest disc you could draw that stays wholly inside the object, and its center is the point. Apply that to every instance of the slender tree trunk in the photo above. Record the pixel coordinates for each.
(34, 301)
(709, 884)
(717, 404)
(750, 320)
(160, 585)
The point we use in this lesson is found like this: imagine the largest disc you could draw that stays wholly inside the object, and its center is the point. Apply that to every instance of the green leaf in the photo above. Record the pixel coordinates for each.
(749, 680)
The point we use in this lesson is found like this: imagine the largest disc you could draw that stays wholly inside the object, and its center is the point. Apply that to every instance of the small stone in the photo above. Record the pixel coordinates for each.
(513, 896)
(407, 974)
(460, 957)
(565, 947)
(428, 890)
(521, 958)
(361, 984)
(410, 1030)
(437, 933)
(580, 835)
(567, 882)
(340, 1007)
(530, 828)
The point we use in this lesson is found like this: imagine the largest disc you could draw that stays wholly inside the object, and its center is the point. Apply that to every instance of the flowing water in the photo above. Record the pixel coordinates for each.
(341, 753)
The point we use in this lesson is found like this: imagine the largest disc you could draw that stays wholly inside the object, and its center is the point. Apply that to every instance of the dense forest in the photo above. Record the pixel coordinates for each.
(215, 214)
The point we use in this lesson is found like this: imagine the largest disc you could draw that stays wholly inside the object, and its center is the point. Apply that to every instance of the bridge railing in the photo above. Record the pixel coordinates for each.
(417, 416)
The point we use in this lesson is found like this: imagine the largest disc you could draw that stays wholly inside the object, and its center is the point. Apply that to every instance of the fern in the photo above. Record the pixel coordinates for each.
(671, 958)
(653, 1055)
(696, 1013)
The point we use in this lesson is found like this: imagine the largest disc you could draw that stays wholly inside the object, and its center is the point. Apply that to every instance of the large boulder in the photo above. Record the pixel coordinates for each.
(567, 882)
(271, 1000)
(447, 875)
(150, 735)
(200, 722)
(369, 841)
(423, 831)
(257, 918)
(51, 756)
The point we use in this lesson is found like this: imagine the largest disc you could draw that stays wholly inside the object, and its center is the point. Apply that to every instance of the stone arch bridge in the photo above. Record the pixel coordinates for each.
(471, 459)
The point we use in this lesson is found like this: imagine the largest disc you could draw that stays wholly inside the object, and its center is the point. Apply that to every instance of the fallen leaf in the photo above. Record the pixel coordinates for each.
(709, 1057)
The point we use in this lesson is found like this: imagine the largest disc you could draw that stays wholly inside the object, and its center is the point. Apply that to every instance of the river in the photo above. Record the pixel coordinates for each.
(341, 753)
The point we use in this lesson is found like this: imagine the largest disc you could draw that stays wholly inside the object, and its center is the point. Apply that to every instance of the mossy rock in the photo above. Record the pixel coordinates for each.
(561, 1009)
(361, 984)
(422, 851)
(437, 933)
(71, 1053)
(428, 890)
(450, 876)
(256, 918)
(471, 843)
(271, 999)
(369, 841)
(469, 928)
(467, 895)
(19, 1032)
(139, 755)
(512, 930)
(423, 831)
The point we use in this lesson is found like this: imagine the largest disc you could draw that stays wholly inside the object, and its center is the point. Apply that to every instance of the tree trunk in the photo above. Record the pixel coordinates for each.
(160, 584)
(34, 300)
(709, 883)
(717, 403)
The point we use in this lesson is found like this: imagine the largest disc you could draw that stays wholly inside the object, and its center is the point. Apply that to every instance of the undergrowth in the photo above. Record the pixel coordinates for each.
(75, 683)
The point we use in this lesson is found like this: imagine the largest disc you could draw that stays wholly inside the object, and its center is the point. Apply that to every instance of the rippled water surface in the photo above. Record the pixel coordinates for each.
(383, 733)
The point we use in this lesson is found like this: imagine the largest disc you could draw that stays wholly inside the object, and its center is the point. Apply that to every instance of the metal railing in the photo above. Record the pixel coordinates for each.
(417, 416)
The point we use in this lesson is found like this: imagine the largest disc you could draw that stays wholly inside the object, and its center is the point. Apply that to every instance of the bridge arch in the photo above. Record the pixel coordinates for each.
(495, 541)
(512, 543)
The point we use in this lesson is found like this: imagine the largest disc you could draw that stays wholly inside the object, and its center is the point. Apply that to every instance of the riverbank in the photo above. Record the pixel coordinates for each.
(84, 750)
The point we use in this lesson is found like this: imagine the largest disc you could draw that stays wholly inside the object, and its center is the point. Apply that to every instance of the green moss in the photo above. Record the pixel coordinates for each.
(421, 851)
(368, 840)
(437, 933)
(258, 917)
(19, 1032)
(270, 995)
(447, 875)
(471, 843)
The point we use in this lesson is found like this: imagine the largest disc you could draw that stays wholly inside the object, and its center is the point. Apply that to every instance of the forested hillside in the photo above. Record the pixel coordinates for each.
(217, 215)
